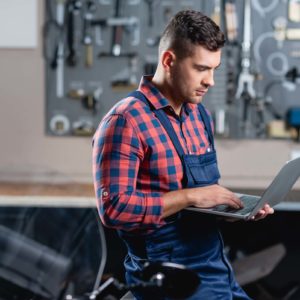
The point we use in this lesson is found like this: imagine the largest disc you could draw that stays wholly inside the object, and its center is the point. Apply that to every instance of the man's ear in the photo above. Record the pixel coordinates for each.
(168, 58)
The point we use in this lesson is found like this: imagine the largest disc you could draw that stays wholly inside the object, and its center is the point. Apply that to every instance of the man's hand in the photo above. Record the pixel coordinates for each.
(213, 195)
(262, 213)
(204, 197)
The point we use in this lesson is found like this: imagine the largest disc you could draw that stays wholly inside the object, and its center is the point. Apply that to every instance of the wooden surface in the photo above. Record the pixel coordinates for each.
(42, 189)
(80, 194)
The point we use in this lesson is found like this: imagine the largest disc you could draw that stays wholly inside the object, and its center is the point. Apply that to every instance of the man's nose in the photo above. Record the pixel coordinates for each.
(208, 80)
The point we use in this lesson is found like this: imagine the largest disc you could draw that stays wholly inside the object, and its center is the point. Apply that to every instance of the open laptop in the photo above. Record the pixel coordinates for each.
(275, 193)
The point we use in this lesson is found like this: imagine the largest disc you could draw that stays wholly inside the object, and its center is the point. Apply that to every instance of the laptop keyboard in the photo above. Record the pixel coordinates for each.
(248, 201)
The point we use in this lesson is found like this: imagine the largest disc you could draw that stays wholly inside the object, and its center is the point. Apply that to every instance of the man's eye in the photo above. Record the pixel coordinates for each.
(201, 69)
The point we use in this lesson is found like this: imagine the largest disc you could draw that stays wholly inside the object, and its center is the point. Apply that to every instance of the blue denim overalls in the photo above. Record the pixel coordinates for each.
(188, 238)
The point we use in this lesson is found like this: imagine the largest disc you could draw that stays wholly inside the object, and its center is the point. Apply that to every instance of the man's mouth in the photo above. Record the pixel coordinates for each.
(201, 92)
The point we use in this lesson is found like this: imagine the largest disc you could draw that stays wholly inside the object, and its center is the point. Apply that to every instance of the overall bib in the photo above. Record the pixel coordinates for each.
(188, 238)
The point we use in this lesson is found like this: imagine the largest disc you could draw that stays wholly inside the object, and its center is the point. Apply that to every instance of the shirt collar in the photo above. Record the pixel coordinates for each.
(156, 98)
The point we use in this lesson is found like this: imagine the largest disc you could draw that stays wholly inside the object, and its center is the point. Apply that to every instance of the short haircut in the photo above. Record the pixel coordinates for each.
(188, 28)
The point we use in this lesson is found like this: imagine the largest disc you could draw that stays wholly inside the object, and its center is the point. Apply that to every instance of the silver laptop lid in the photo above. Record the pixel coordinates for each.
(280, 186)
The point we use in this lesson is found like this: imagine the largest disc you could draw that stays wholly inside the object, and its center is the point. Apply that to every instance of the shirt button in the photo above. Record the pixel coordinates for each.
(105, 193)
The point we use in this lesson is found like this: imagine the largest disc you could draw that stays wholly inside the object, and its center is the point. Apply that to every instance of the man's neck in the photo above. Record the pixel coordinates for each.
(162, 85)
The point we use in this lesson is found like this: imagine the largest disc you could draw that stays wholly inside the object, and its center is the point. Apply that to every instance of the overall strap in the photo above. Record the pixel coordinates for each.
(162, 117)
(207, 124)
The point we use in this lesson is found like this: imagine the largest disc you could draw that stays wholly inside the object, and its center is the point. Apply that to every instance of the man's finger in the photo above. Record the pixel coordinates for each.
(237, 201)
(268, 209)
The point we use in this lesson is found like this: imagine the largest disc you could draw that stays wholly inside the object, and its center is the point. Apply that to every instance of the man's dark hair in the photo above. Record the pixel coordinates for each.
(188, 28)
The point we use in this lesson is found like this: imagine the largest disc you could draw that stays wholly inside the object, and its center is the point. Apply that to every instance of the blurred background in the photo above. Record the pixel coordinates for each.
(65, 63)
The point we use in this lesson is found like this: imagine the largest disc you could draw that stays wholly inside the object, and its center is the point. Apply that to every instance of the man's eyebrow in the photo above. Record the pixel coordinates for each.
(206, 67)
(217, 67)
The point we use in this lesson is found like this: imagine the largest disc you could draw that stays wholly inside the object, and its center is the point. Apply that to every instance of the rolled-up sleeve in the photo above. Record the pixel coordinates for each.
(117, 155)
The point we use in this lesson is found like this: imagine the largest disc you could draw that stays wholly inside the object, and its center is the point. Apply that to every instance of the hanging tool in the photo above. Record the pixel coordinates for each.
(293, 75)
(280, 24)
(133, 66)
(231, 21)
(219, 98)
(130, 24)
(126, 79)
(216, 15)
(59, 124)
(124, 21)
(117, 32)
(87, 37)
(246, 79)
(293, 120)
(232, 48)
(60, 17)
(73, 12)
(167, 12)
(150, 12)
(83, 127)
(294, 11)
(245, 89)
(292, 34)
(89, 100)
(53, 34)
(153, 41)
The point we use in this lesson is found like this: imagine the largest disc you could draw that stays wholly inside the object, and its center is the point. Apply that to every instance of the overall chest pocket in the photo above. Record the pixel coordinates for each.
(203, 168)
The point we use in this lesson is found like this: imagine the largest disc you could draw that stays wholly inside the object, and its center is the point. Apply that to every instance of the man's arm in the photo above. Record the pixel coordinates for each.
(117, 153)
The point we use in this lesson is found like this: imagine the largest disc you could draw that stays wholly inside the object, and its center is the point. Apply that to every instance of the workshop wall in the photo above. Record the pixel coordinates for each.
(28, 153)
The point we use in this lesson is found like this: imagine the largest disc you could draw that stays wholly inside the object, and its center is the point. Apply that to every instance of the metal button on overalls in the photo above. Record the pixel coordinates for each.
(189, 238)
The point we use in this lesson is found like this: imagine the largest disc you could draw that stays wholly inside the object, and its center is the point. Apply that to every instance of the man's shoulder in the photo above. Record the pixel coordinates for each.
(129, 107)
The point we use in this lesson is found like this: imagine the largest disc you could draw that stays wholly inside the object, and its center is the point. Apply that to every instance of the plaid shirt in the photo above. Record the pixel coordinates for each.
(135, 162)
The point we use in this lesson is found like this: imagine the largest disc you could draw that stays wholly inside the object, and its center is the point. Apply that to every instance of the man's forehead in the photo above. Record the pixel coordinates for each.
(202, 56)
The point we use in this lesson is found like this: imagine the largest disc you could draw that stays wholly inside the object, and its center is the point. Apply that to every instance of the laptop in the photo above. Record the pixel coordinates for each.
(275, 193)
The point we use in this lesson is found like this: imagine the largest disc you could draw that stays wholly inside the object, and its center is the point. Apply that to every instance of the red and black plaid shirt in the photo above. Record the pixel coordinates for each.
(135, 162)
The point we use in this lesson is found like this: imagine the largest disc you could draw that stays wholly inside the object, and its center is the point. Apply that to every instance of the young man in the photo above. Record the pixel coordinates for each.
(154, 155)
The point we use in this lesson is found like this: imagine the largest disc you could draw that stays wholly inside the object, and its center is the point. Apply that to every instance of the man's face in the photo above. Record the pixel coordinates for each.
(192, 76)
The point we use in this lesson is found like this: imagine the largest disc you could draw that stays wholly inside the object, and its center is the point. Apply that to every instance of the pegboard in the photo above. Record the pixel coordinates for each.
(97, 51)
(114, 44)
